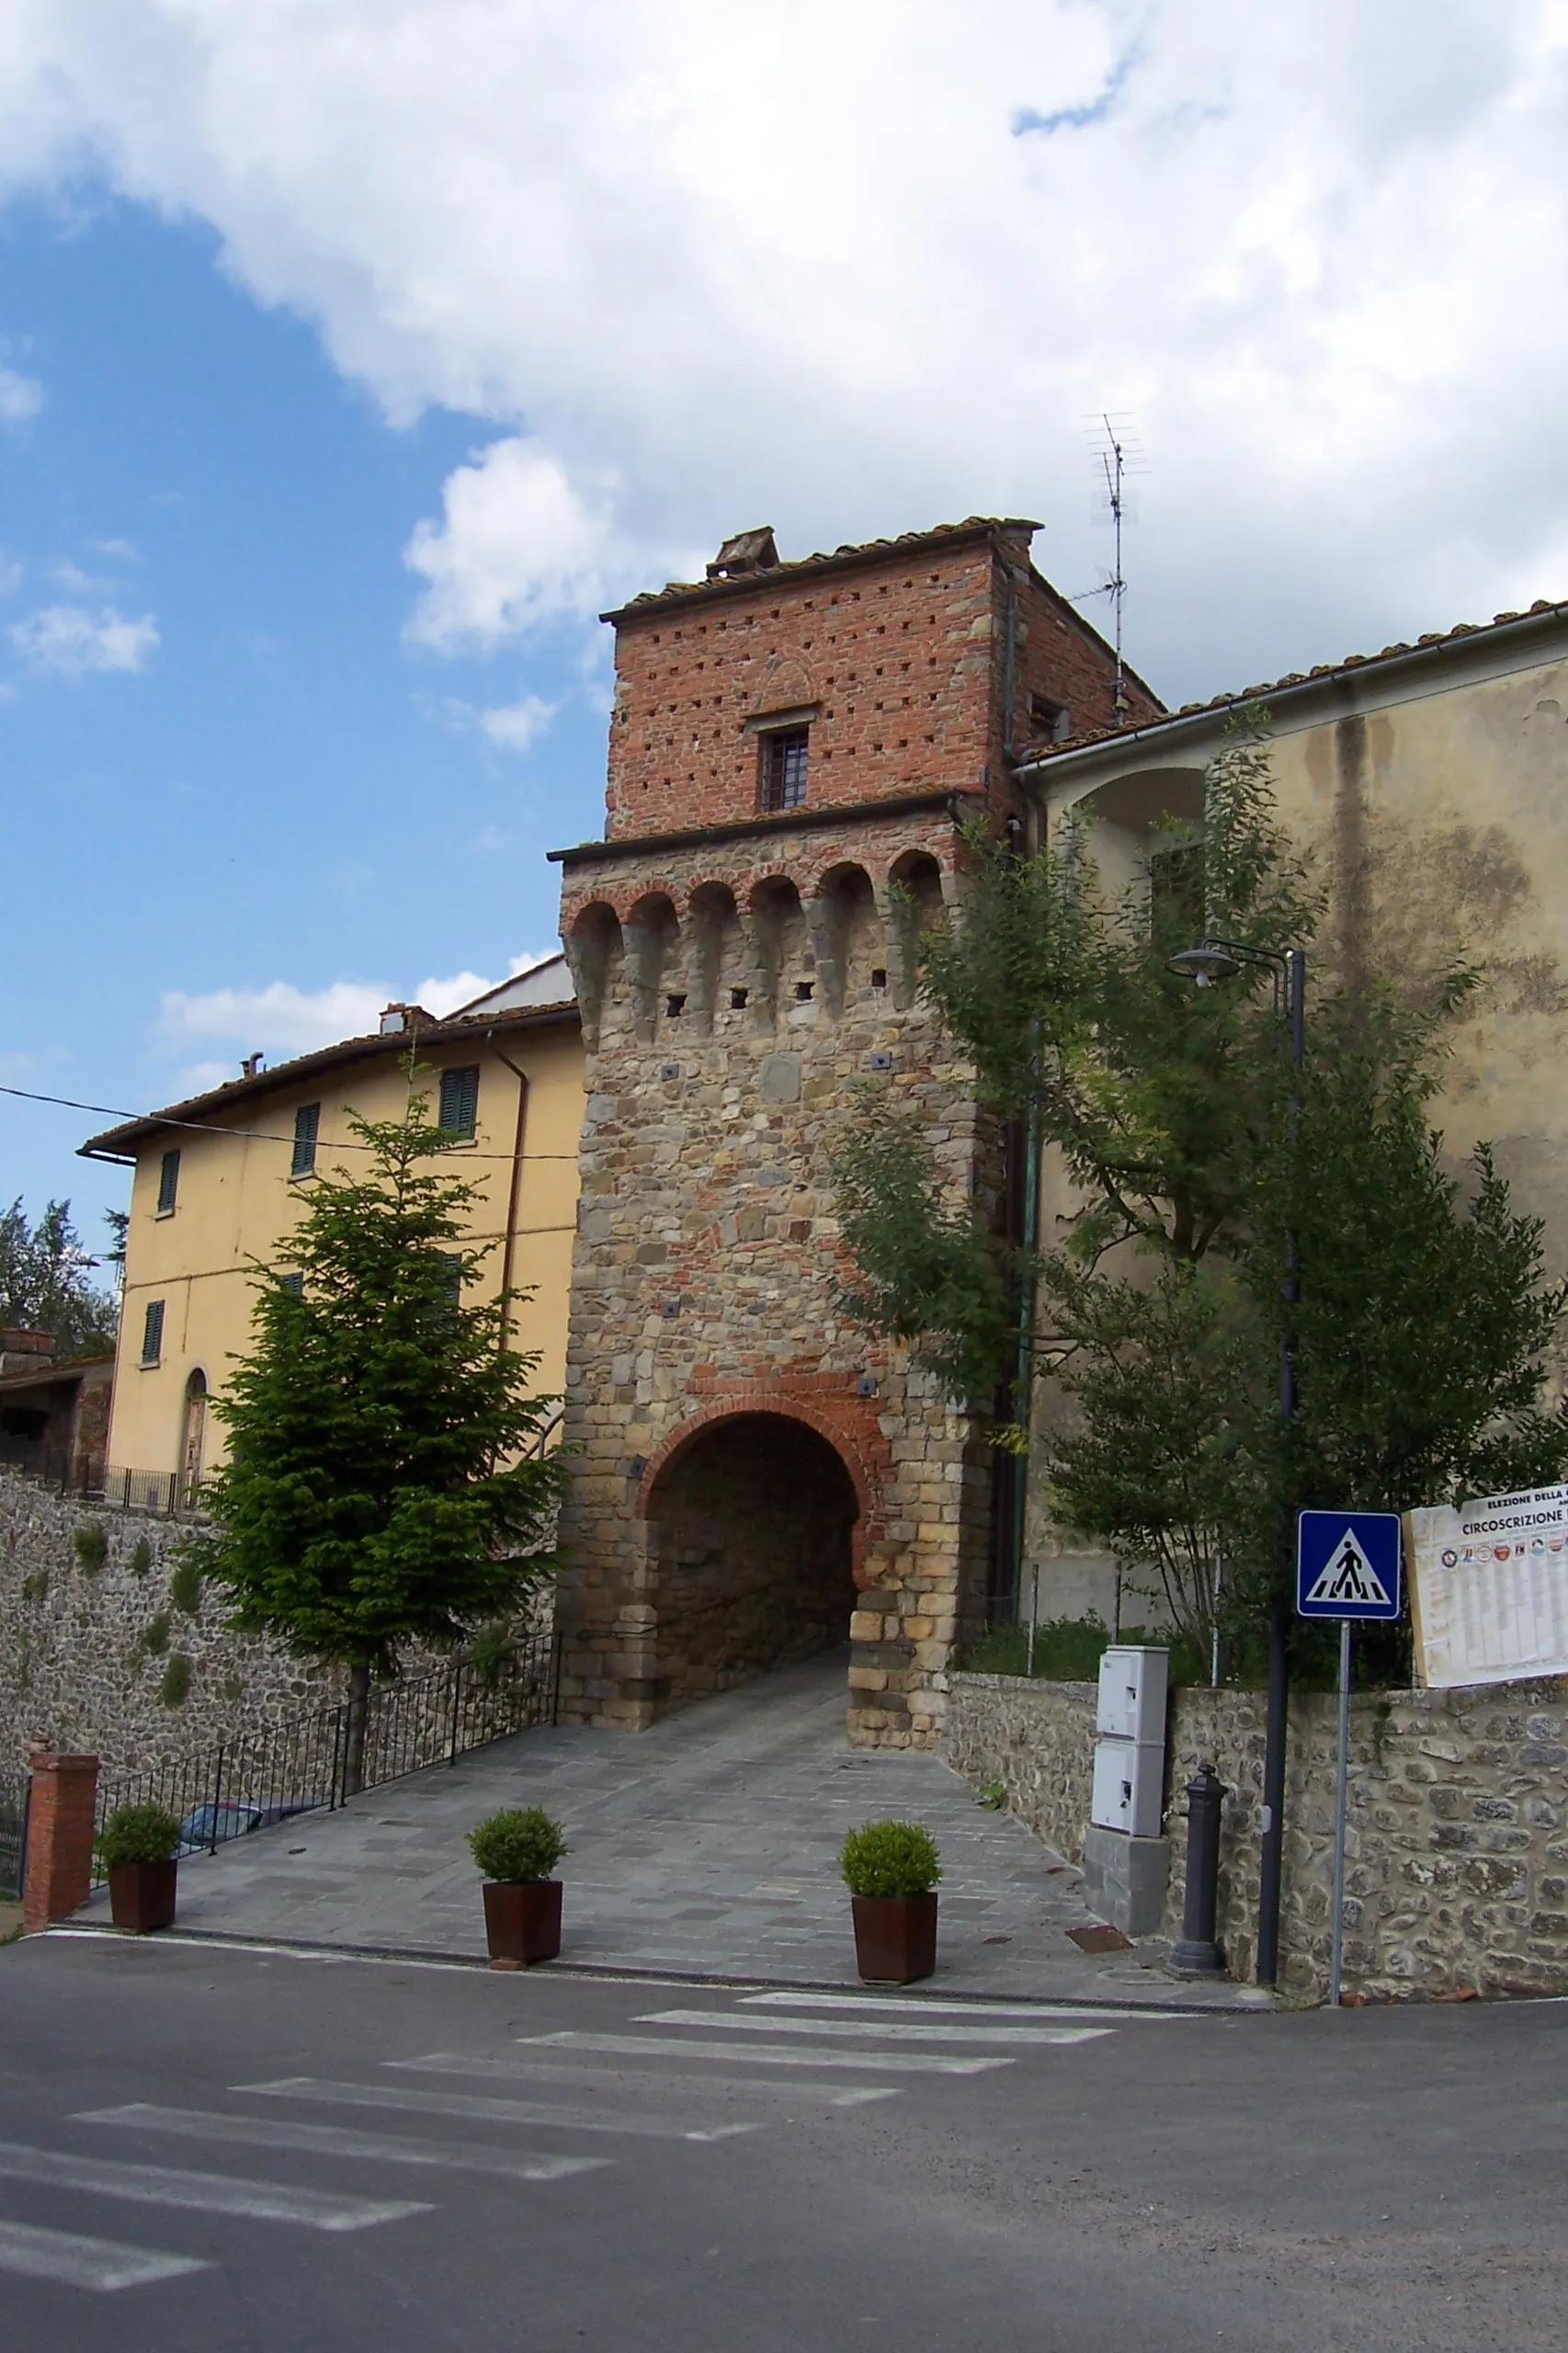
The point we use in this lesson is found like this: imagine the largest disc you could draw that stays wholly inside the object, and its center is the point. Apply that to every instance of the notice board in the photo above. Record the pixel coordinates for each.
(1489, 1589)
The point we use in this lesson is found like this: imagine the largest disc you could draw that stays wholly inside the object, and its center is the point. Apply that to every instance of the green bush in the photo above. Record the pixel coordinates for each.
(140, 1557)
(176, 1683)
(890, 1858)
(1068, 1650)
(490, 1650)
(36, 1587)
(91, 1545)
(185, 1587)
(138, 1834)
(520, 1843)
(155, 1634)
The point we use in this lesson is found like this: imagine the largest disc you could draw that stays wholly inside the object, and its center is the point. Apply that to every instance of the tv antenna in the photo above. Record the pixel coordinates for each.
(1115, 454)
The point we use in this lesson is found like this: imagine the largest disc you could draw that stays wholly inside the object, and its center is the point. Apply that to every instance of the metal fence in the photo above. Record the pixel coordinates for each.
(106, 1486)
(14, 1788)
(257, 1781)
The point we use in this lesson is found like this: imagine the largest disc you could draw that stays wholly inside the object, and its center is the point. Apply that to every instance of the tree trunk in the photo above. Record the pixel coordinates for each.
(358, 1709)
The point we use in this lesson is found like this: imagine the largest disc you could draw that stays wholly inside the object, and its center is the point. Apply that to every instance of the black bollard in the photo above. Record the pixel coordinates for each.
(1197, 1955)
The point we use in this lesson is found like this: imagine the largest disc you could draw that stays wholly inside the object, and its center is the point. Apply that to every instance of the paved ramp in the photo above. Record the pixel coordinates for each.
(706, 1846)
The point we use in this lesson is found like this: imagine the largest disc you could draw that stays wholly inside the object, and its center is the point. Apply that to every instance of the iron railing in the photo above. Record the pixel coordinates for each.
(14, 1789)
(259, 1779)
(104, 1486)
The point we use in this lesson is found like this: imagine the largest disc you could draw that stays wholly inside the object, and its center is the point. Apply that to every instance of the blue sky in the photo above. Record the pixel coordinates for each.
(280, 789)
(353, 355)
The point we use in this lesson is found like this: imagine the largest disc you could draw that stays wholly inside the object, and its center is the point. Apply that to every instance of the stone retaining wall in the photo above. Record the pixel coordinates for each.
(85, 1660)
(1457, 1852)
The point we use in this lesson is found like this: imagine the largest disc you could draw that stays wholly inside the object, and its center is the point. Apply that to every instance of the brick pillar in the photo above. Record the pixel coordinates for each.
(59, 1836)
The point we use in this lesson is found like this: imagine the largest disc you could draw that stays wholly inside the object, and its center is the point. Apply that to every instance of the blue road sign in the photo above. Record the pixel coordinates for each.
(1348, 1565)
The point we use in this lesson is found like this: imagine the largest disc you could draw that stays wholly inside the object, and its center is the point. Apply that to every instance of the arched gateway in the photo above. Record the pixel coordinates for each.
(750, 1550)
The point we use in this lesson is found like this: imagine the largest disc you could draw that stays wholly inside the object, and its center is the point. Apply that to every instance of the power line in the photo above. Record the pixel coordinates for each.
(240, 1135)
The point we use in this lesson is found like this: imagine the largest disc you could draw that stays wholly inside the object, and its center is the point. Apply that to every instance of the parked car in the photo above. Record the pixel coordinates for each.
(208, 1825)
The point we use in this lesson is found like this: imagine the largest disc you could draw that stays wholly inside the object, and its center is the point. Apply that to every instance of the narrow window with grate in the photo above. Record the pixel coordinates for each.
(307, 1127)
(784, 768)
(452, 1266)
(460, 1100)
(294, 1282)
(153, 1333)
(168, 1183)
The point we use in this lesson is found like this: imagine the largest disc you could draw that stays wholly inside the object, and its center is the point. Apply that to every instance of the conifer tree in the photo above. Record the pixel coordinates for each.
(383, 1486)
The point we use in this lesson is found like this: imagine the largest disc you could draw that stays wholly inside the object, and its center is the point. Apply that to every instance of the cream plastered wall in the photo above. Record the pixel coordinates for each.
(236, 1205)
(1432, 795)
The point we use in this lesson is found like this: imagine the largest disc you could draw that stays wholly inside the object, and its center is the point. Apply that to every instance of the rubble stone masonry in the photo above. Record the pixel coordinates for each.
(1457, 1825)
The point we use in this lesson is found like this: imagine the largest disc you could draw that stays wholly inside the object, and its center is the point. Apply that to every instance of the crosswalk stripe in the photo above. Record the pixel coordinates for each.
(894, 2031)
(924, 2005)
(668, 2046)
(535, 2071)
(501, 2112)
(71, 2261)
(202, 2193)
(337, 2141)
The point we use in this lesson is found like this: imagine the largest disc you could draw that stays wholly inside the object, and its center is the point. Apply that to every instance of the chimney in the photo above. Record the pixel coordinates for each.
(747, 551)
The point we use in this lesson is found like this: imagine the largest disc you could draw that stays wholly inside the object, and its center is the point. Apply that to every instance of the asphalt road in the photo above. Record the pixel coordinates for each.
(219, 2149)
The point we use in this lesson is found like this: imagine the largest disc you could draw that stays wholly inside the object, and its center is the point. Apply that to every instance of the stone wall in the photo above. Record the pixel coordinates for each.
(86, 1644)
(86, 1650)
(1457, 1850)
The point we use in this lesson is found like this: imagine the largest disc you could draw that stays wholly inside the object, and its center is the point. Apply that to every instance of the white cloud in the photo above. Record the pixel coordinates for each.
(516, 549)
(70, 641)
(517, 727)
(280, 1019)
(849, 270)
(122, 551)
(22, 397)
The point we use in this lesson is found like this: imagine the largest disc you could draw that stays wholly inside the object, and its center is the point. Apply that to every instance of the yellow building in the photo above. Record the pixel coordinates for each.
(221, 1180)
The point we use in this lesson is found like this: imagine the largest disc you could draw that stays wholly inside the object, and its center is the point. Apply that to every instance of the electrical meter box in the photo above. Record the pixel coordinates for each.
(1134, 1678)
(1129, 1785)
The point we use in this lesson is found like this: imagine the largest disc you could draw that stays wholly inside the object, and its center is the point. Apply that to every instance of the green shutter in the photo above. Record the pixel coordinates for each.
(153, 1332)
(307, 1124)
(459, 1114)
(168, 1183)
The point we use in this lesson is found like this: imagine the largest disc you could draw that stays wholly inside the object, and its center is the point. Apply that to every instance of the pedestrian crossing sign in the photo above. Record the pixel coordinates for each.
(1348, 1565)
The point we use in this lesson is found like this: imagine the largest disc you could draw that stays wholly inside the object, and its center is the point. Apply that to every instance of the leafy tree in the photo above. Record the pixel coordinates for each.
(380, 1487)
(1424, 1329)
(45, 1282)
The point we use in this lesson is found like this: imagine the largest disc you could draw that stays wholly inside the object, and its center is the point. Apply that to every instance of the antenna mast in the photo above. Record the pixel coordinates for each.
(1114, 459)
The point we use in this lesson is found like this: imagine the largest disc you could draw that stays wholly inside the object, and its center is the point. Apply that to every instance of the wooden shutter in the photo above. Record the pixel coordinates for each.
(168, 1183)
(460, 1100)
(307, 1125)
(153, 1331)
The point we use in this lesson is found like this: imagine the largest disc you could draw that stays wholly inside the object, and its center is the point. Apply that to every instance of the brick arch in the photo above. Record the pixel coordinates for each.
(758, 1397)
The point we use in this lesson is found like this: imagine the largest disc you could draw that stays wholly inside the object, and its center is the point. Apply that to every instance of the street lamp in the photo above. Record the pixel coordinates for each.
(1222, 959)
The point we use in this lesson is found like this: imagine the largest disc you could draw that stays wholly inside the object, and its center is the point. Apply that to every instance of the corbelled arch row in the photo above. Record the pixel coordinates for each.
(719, 1395)
(755, 943)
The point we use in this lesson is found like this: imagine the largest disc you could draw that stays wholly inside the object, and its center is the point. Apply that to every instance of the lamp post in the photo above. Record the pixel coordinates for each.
(1222, 959)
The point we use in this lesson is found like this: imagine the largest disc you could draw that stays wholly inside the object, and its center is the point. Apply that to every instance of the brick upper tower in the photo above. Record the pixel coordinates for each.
(794, 749)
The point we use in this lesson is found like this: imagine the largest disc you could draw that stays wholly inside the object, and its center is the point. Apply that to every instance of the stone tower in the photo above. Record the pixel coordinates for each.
(794, 749)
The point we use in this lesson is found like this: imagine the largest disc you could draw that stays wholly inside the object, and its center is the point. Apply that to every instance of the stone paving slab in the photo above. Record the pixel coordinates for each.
(705, 1847)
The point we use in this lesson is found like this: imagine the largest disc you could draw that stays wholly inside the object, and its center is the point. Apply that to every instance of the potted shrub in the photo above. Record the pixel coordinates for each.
(137, 1846)
(517, 1850)
(891, 1869)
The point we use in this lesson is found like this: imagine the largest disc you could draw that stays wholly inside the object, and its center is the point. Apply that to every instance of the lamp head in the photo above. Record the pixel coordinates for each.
(1205, 965)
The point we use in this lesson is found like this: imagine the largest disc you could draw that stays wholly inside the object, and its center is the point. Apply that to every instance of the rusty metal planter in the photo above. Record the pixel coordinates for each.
(522, 1921)
(142, 1895)
(895, 1937)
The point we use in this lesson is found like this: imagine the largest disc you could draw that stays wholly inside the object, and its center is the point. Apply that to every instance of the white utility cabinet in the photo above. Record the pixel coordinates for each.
(1133, 1679)
(1129, 1752)
(1129, 1777)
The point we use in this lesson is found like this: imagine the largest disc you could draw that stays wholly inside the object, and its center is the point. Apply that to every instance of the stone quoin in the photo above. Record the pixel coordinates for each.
(795, 750)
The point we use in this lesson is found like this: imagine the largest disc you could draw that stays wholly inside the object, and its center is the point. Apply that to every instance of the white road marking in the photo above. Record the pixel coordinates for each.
(336, 2141)
(535, 2071)
(896, 2030)
(666, 2046)
(202, 2193)
(920, 2005)
(501, 2112)
(75, 2262)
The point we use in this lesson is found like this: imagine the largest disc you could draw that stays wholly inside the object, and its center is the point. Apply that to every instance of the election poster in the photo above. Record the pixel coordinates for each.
(1489, 1589)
